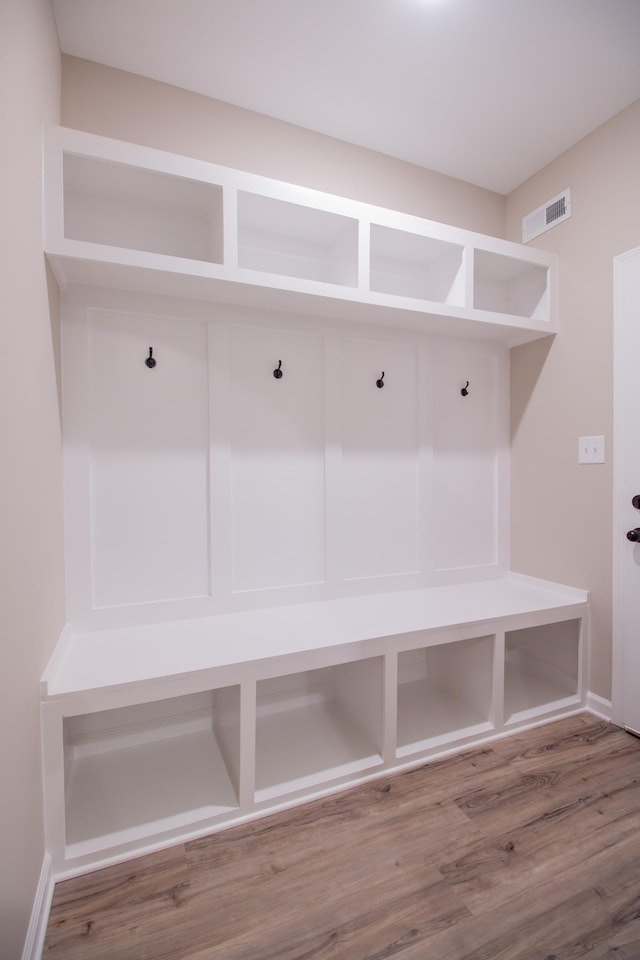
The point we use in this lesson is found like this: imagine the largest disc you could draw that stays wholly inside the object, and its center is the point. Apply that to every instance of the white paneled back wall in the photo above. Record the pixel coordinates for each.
(205, 484)
(149, 443)
(466, 459)
(276, 438)
(380, 444)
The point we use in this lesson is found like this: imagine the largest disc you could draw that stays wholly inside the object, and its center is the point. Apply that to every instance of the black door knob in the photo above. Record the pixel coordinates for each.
(636, 501)
(634, 535)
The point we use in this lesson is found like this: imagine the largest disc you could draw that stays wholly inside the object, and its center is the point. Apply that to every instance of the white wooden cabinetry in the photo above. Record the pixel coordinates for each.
(279, 585)
(176, 729)
(130, 217)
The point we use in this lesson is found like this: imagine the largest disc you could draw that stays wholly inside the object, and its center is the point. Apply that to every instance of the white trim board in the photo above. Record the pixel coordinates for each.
(36, 931)
(598, 706)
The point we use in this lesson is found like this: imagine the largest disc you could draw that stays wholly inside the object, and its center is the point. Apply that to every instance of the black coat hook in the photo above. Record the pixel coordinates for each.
(465, 390)
(278, 371)
(150, 362)
(380, 382)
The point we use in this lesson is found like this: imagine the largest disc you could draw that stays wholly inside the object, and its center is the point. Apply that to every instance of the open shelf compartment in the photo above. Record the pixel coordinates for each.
(293, 240)
(444, 693)
(135, 771)
(510, 286)
(542, 669)
(317, 726)
(412, 265)
(133, 208)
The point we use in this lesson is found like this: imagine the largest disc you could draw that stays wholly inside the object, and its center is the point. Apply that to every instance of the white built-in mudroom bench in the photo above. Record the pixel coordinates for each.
(286, 442)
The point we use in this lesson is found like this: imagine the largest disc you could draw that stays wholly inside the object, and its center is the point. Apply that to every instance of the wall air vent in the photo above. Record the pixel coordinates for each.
(548, 215)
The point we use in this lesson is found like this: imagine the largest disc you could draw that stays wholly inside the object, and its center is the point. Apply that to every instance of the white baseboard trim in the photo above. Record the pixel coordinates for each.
(34, 941)
(599, 706)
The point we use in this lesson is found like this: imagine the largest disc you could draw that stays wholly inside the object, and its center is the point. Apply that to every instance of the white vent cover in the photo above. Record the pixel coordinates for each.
(553, 211)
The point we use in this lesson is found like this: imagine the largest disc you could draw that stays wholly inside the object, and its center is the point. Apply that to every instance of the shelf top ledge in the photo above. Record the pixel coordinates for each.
(104, 659)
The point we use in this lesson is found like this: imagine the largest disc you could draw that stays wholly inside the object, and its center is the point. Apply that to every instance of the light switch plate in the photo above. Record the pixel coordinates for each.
(591, 450)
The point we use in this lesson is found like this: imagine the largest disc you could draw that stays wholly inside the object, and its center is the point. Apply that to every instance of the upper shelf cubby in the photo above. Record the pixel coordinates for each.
(291, 240)
(123, 215)
(509, 285)
(132, 208)
(410, 265)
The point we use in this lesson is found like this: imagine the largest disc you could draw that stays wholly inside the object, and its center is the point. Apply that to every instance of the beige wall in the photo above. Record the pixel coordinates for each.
(562, 512)
(31, 575)
(127, 107)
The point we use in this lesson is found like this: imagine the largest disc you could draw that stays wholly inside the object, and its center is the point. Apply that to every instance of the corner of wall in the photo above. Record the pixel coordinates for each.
(31, 554)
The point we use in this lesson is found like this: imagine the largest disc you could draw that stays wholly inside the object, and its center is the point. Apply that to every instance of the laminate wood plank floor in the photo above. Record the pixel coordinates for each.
(524, 849)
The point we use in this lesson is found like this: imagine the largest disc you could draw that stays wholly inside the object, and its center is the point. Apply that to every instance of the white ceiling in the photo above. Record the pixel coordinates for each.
(488, 91)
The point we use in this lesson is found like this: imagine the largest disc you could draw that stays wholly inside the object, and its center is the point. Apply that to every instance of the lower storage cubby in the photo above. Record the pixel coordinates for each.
(280, 706)
(317, 726)
(444, 693)
(136, 771)
(542, 669)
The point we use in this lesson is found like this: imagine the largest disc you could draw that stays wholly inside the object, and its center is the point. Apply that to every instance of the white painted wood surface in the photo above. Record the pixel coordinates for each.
(279, 586)
(277, 445)
(446, 693)
(206, 485)
(124, 216)
(126, 206)
(275, 706)
(509, 285)
(469, 435)
(103, 659)
(540, 667)
(380, 468)
(149, 450)
(137, 791)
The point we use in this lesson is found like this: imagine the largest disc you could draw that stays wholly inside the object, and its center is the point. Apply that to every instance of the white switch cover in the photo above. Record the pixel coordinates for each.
(591, 450)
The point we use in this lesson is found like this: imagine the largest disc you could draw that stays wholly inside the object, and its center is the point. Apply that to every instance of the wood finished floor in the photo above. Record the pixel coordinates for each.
(525, 849)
